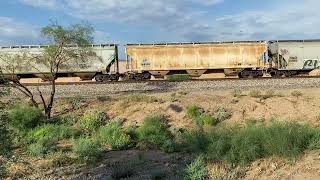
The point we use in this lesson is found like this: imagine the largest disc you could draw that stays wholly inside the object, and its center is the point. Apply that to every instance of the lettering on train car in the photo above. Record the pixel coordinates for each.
(293, 59)
(311, 64)
(145, 63)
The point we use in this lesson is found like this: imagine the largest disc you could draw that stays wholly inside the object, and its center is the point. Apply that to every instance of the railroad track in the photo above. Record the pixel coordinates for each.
(163, 81)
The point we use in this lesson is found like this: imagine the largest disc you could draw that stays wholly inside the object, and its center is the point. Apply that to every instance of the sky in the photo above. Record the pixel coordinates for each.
(158, 21)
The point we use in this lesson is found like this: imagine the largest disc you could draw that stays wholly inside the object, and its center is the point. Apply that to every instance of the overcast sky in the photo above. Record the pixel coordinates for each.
(132, 21)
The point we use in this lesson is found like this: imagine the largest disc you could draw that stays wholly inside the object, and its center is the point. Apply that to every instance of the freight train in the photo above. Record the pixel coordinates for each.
(237, 58)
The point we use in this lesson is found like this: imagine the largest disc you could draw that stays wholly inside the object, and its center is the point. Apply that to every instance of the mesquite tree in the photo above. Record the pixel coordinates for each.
(68, 47)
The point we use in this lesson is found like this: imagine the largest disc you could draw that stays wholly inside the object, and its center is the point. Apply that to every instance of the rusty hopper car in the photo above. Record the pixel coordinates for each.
(294, 57)
(99, 64)
(233, 58)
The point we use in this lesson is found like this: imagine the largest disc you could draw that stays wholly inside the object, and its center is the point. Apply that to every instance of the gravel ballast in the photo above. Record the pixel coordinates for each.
(115, 88)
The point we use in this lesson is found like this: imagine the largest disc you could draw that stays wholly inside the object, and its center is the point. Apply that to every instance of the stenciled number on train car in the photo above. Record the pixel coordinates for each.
(311, 64)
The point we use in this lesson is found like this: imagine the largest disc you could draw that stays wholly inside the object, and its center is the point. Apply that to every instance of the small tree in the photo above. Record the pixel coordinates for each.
(68, 48)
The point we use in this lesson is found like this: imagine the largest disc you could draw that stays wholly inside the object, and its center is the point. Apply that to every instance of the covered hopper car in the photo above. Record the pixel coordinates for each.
(232, 58)
(105, 55)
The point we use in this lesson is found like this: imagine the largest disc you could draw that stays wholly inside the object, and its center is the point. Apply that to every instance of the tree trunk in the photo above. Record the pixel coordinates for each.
(48, 108)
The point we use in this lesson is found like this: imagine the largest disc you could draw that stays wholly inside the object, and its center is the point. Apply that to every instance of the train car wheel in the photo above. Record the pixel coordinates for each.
(99, 78)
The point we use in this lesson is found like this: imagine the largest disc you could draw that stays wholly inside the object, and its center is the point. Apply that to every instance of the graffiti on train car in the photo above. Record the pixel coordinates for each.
(145, 63)
(311, 64)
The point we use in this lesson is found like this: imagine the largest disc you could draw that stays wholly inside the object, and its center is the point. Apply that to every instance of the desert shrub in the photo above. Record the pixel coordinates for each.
(314, 142)
(59, 159)
(92, 120)
(113, 135)
(69, 119)
(154, 131)
(286, 139)
(76, 102)
(194, 111)
(240, 146)
(22, 118)
(197, 170)
(236, 93)
(103, 98)
(255, 93)
(218, 143)
(193, 141)
(296, 93)
(221, 114)
(5, 140)
(178, 77)
(134, 98)
(39, 148)
(246, 146)
(123, 170)
(268, 94)
(52, 133)
(87, 149)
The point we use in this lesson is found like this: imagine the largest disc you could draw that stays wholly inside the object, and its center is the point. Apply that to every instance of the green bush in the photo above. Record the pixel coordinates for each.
(194, 111)
(201, 118)
(246, 146)
(22, 118)
(221, 114)
(113, 135)
(315, 139)
(193, 142)
(178, 77)
(240, 146)
(51, 133)
(154, 131)
(87, 149)
(197, 170)
(255, 93)
(286, 139)
(40, 148)
(92, 120)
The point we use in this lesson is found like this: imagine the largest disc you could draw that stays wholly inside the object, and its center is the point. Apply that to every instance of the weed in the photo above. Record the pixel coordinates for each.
(113, 135)
(221, 114)
(59, 159)
(87, 149)
(236, 93)
(154, 131)
(178, 77)
(197, 170)
(70, 119)
(268, 94)
(92, 120)
(39, 148)
(255, 93)
(5, 139)
(194, 111)
(296, 94)
(193, 142)
(22, 118)
(140, 98)
(76, 102)
(103, 98)
(126, 169)
(51, 133)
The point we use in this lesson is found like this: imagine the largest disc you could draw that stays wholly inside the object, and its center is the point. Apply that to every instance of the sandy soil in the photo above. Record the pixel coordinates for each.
(282, 105)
